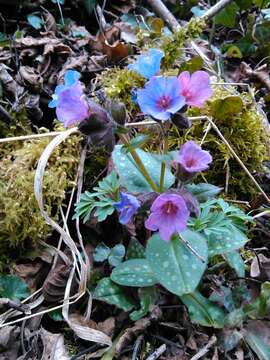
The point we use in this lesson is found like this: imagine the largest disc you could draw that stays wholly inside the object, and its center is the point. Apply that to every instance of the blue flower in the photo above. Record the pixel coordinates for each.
(161, 97)
(127, 207)
(69, 100)
(148, 64)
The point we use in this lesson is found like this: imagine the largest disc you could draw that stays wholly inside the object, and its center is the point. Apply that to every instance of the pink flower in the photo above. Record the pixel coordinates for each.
(195, 88)
(169, 214)
(192, 158)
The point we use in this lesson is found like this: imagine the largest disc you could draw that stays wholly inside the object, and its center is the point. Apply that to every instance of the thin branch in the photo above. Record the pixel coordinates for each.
(215, 9)
(161, 10)
(205, 349)
(157, 353)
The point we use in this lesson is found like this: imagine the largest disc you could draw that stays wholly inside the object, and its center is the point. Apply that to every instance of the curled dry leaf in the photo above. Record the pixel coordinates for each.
(260, 268)
(54, 347)
(49, 21)
(9, 342)
(55, 284)
(9, 83)
(29, 76)
(139, 326)
(33, 273)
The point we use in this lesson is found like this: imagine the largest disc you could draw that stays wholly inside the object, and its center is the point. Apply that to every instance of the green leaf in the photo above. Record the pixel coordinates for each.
(227, 16)
(226, 241)
(135, 143)
(236, 262)
(174, 265)
(61, 2)
(35, 21)
(135, 250)
(13, 287)
(243, 4)
(148, 297)
(56, 315)
(116, 255)
(101, 252)
(135, 272)
(130, 176)
(226, 107)
(202, 311)
(261, 3)
(262, 33)
(113, 294)
(89, 5)
(192, 65)
(203, 191)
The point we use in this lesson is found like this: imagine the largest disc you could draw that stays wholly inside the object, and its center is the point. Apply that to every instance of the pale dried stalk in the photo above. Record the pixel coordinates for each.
(205, 349)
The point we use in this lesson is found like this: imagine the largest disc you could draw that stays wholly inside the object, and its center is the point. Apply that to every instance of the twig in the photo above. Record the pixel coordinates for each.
(205, 349)
(215, 9)
(161, 10)
(137, 346)
(5, 114)
(31, 137)
(157, 353)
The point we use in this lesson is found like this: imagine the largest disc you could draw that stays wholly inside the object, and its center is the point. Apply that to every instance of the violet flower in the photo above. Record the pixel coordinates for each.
(148, 64)
(169, 214)
(195, 88)
(69, 100)
(192, 158)
(127, 207)
(161, 97)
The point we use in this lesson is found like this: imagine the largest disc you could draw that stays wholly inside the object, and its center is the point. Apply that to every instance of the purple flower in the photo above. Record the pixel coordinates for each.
(195, 88)
(148, 64)
(69, 100)
(161, 97)
(192, 158)
(169, 214)
(127, 207)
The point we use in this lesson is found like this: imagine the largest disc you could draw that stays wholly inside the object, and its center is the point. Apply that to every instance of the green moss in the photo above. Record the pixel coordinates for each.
(243, 130)
(118, 83)
(21, 225)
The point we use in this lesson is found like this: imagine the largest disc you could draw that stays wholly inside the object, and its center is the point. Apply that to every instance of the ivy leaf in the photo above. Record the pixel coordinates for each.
(147, 296)
(135, 250)
(202, 311)
(174, 265)
(13, 287)
(236, 262)
(116, 255)
(131, 178)
(227, 16)
(135, 272)
(101, 252)
(203, 191)
(226, 107)
(113, 294)
(35, 21)
(261, 3)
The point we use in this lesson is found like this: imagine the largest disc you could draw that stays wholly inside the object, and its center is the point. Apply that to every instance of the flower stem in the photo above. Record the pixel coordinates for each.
(163, 164)
(140, 165)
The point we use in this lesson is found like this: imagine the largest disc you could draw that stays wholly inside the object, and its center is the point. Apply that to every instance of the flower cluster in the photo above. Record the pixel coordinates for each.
(69, 100)
(163, 96)
(127, 207)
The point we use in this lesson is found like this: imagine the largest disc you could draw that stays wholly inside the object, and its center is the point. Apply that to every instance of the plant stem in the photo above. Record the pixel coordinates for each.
(163, 165)
(140, 165)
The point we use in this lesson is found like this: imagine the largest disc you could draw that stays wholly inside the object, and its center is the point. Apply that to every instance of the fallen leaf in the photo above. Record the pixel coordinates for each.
(9, 342)
(54, 347)
(260, 267)
(30, 76)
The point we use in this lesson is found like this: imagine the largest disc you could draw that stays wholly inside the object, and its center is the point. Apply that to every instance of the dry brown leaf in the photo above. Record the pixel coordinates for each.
(29, 76)
(139, 326)
(30, 41)
(33, 273)
(9, 84)
(54, 347)
(49, 21)
(73, 62)
(9, 342)
(260, 267)
(55, 284)
(107, 326)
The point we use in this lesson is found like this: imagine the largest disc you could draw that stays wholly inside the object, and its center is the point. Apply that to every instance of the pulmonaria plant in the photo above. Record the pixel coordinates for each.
(161, 97)
(69, 100)
(148, 64)
(195, 88)
(126, 207)
(169, 215)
